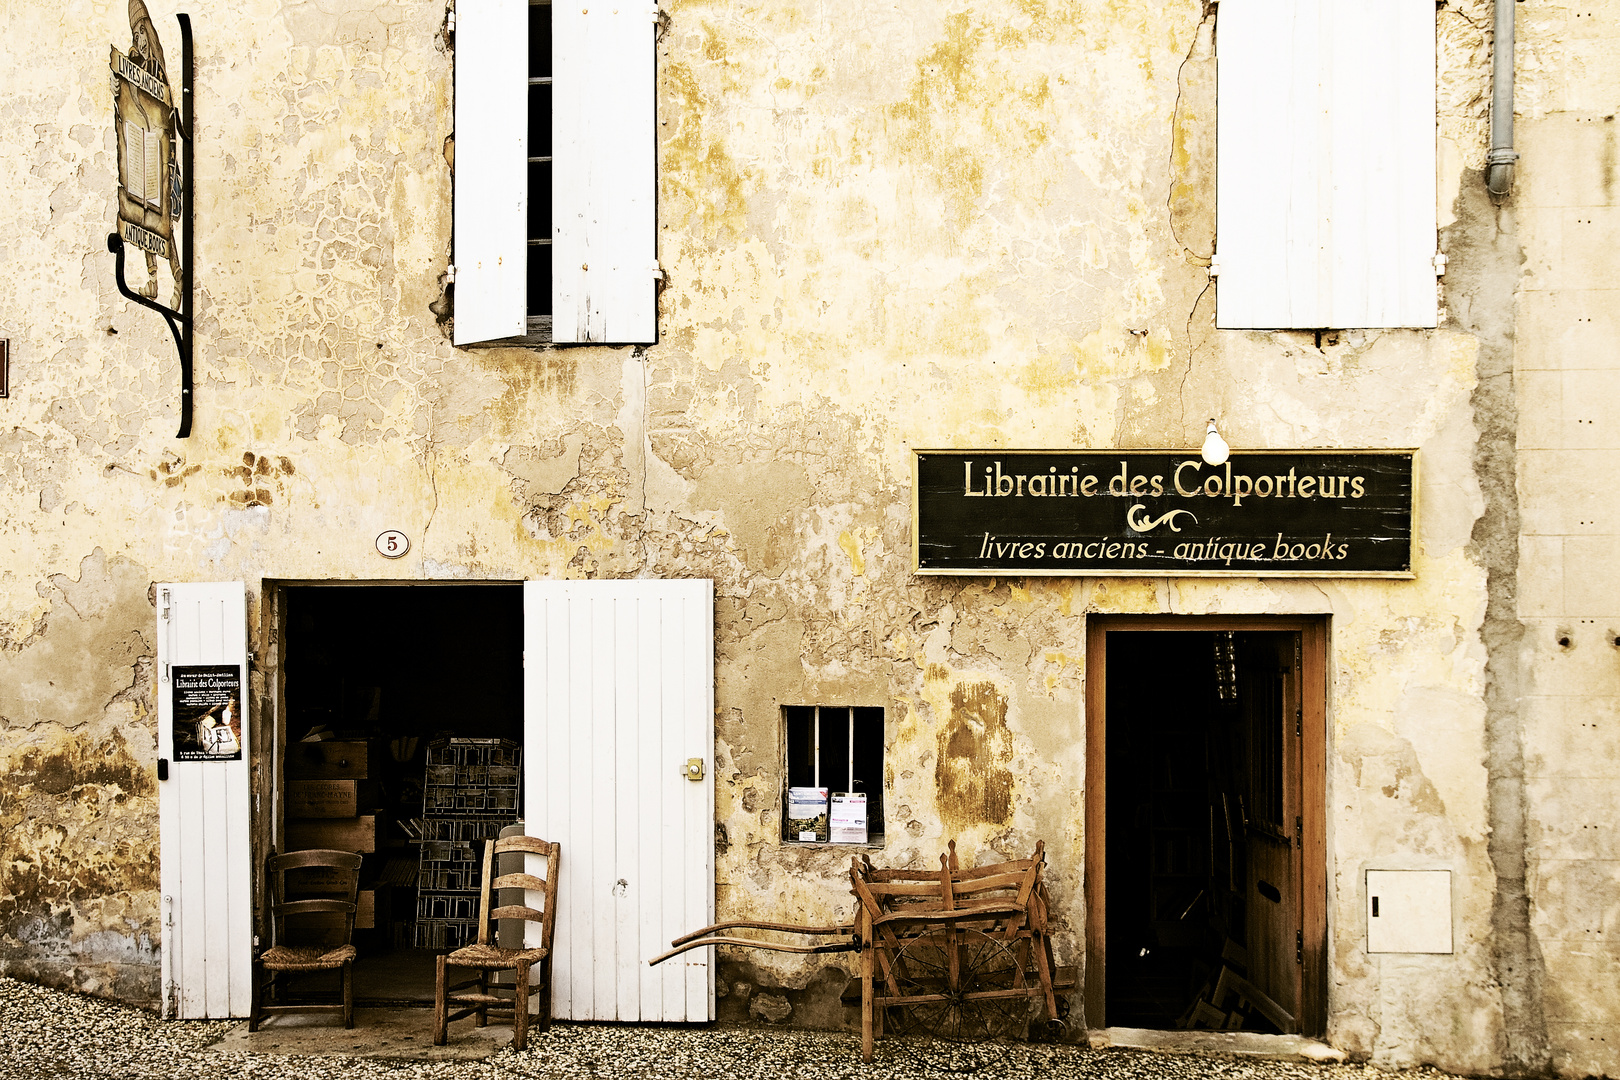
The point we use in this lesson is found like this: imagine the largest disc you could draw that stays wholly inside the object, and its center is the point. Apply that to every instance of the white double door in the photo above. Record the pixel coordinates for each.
(618, 702)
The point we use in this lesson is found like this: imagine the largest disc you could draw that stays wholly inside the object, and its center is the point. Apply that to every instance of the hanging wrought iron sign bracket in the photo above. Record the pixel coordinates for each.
(154, 196)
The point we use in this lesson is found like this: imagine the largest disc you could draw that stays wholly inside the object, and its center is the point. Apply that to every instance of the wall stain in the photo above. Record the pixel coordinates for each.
(975, 749)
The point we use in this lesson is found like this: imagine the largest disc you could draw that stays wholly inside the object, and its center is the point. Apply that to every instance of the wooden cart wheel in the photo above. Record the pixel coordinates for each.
(961, 987)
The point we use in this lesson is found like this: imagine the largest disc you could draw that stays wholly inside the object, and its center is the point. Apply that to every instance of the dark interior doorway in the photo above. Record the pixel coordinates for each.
(1200, 874)
(372, 677)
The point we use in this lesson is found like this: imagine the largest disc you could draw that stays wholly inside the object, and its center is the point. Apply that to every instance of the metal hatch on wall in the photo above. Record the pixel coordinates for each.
(1206, 888)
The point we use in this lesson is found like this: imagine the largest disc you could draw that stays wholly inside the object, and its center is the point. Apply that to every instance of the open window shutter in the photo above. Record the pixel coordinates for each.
(491, 170)
(205, 857)
(605, 184)
(618, 697)
(1326, 164)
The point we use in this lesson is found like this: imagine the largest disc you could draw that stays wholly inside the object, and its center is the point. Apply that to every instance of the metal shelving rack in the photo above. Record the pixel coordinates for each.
(469, 794)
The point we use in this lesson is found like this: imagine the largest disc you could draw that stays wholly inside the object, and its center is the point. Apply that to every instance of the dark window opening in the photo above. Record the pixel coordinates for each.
(539, 137)
(839, 748)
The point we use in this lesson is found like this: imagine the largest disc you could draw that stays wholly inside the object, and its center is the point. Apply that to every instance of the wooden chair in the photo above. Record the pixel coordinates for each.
(323, 927)
(486, 956)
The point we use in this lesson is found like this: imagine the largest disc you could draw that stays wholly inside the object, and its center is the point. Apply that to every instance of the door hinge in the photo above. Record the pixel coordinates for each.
(1299, 832)
(1299, 721)
(450, 18)
(1299, 947)
(1440, 264)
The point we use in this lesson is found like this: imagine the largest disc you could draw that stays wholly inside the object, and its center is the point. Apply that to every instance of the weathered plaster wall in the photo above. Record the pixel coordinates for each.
(884, 228)
(1566, 370)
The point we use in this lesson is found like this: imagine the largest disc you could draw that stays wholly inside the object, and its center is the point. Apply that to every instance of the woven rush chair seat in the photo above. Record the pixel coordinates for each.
(478, 997)
(312, 897)
(306, 957)
(490, 956)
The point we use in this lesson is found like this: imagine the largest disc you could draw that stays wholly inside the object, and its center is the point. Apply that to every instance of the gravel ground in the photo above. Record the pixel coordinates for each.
(46, 1034)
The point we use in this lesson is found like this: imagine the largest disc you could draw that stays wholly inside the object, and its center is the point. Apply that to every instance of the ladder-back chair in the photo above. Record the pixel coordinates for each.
(477, 996)
(321, 931)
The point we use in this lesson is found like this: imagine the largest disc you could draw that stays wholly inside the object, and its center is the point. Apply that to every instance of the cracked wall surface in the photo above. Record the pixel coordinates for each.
(941, 224)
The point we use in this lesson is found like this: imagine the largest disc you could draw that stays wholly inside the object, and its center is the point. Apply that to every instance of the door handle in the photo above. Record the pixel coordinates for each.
(694, 768)
(163, 769)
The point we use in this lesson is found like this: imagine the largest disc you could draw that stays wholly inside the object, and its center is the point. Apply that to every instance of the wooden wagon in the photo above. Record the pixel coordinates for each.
(959, 954)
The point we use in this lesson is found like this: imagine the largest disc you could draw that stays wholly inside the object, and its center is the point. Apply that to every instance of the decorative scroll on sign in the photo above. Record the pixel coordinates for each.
(1294, 513)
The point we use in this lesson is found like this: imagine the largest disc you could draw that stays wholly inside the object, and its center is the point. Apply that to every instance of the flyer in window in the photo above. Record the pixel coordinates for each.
(207, 712)
(849, 817)
(807, 814)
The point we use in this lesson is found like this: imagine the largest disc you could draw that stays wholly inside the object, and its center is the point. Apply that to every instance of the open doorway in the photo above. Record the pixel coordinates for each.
(383, 690)
(1205, 817)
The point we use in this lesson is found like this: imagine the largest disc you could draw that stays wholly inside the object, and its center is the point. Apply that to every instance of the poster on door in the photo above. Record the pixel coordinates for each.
(207, 712)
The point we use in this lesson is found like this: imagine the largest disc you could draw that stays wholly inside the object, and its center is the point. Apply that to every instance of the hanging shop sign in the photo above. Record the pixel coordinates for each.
(153, 129)
(1130, 513)
(207, 712)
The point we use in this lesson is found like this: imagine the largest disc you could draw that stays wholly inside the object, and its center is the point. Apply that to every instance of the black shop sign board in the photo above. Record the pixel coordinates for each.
(1133, 513)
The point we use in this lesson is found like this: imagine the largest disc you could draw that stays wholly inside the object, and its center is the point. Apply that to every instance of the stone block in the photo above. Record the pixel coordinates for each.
(1585, 1049)
(1562, 162)
(1592, 577)
(1576, 902)
(1572, 817)
(1568, 328)
(1580, 980)
(1567, 493)
(1565, 733)
(1541, 576)
(1540, 397)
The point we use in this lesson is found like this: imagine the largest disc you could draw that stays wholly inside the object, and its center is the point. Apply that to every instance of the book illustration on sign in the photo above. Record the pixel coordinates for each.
(207, 714)
(148, 170)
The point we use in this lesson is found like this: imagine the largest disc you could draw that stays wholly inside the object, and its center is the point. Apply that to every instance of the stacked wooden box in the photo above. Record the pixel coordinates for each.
(328, 788)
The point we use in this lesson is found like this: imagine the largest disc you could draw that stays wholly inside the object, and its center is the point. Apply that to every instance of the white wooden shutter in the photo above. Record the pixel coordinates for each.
(491, 173)
(618, 695)
(205, 859)
(605, 183)
(1325, 187)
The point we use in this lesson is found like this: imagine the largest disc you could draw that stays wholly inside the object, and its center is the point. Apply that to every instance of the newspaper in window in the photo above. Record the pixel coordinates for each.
(807, 814)
(848, 821)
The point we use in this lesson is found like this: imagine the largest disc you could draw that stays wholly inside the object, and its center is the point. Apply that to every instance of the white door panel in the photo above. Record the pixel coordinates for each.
(618, 695)
(204, 855)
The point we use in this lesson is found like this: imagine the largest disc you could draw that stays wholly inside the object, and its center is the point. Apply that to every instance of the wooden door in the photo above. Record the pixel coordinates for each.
(1268, 686)
(618, 700)
(1287, 694)
(203, 791)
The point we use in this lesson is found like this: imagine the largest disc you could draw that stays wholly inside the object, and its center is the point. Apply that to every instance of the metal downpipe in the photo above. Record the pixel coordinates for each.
(1499, 163)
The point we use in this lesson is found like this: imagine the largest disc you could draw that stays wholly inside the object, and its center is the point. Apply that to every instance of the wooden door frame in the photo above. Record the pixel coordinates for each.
(1313, 632)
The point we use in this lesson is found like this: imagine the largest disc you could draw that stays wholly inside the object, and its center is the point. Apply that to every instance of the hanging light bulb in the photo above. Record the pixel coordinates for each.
(1215, 450)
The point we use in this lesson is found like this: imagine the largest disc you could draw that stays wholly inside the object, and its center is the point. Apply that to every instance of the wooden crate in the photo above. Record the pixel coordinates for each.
(329, 798)
(343, 834)
(327, 761)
